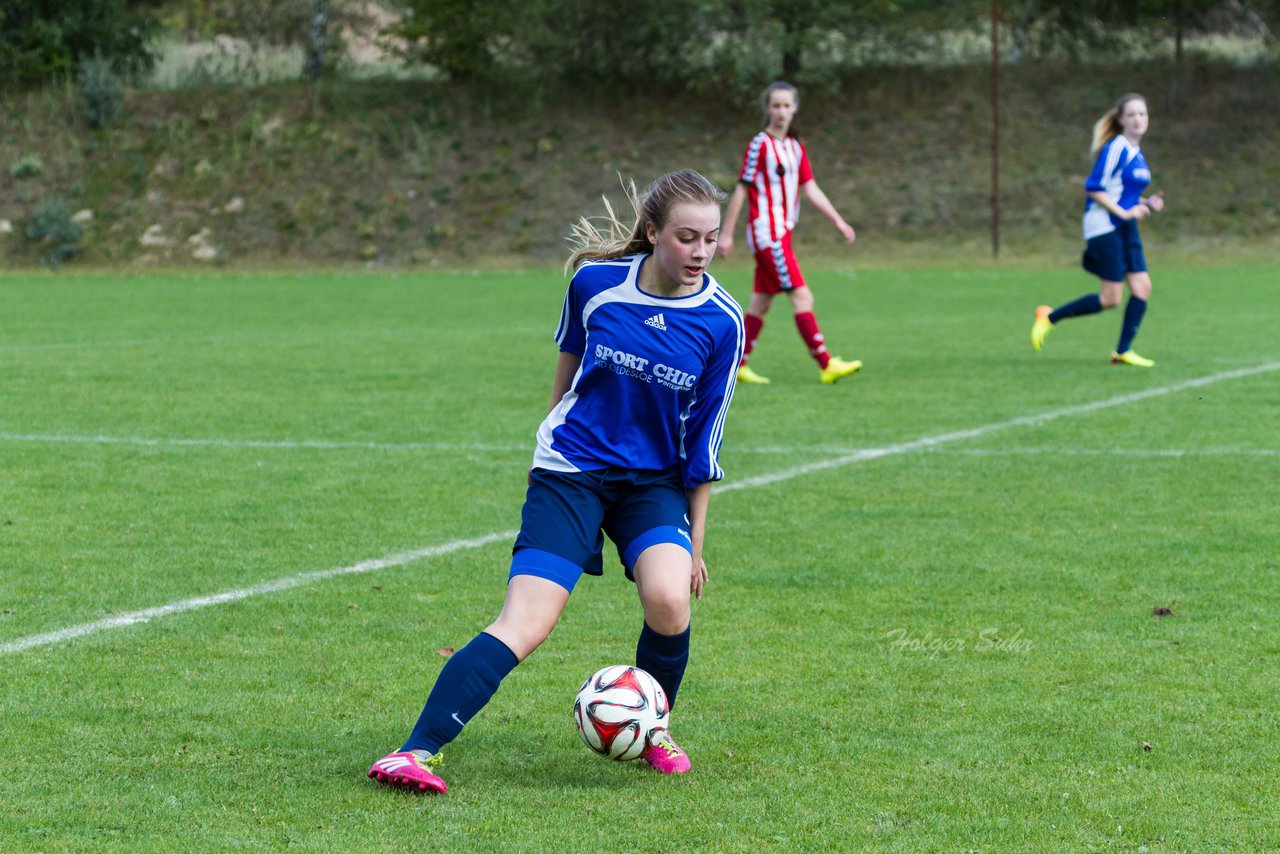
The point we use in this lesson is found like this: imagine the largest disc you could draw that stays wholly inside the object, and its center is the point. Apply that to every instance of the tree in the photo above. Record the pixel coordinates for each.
(43, 39)
(805, 26)
(736, 45)
(1042, 25)
(317, 40)
(275, 22)
(457, 36)
(585, 43)
(643, 43)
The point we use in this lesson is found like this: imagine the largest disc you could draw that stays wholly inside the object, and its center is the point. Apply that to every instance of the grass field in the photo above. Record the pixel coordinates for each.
(930, 618)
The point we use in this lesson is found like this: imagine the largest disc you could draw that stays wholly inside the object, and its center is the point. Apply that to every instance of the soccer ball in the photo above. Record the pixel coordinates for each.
(618, 710)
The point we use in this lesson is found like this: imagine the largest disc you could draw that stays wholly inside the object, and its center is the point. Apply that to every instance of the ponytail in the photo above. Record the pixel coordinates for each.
(1108, 127)
(606, 237)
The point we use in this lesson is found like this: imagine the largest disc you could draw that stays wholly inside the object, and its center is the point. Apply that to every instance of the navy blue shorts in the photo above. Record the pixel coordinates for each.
(1112, 255)
(567, 514)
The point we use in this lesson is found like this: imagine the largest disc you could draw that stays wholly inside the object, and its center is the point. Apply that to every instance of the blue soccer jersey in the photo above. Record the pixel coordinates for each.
(1122, 173)
(656, 378)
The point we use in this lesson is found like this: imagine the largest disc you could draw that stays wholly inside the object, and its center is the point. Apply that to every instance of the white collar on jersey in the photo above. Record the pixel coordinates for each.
(697, 298)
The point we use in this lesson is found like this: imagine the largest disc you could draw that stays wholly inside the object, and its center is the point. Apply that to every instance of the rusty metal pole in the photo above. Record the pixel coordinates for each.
(995, 128)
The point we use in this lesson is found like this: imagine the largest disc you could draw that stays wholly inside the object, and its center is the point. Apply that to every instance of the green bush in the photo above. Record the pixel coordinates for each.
(41, 41)
(27, 166)
(709, 46)
(101, 91)
(52, 226)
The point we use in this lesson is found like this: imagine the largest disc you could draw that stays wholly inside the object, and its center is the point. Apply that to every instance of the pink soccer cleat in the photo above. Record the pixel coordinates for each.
(664, 755)
(409, 770)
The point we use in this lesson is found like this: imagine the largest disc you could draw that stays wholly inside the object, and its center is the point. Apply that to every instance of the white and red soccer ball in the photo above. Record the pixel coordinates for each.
(619, 710)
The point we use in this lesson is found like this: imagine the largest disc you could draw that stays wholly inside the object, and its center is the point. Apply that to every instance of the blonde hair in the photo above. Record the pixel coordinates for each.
(606, 237)
(1108, 127)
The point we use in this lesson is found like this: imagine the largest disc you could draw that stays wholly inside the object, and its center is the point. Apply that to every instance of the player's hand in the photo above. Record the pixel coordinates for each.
(724, 245)
(1138, 211)
(1155, 202)
(698, 577)
(847, 232)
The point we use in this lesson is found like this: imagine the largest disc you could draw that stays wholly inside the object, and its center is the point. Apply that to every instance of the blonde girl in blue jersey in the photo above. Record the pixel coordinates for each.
(1113, 246)
(649, 348)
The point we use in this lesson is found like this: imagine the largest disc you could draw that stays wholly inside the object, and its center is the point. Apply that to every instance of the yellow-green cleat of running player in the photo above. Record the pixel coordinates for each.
(746, 375)
(838, 368)
(1040, 329)
(1128, 357)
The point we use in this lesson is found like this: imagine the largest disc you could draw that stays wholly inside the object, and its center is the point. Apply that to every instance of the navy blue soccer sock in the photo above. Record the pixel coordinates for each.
(1087, 304)
(1133, 313)
(664, 657)
(468, 681)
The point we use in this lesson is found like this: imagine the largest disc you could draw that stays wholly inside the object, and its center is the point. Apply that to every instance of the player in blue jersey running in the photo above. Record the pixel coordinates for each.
(1113, 247)
(649, 348)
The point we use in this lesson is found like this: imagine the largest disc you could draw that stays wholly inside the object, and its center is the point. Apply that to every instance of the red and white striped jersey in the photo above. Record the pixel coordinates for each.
(773, 171)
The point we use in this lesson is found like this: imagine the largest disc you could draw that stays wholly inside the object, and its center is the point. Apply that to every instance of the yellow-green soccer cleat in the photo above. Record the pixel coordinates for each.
(1128, 357)
(746, 375)
(838, 368)
(1040, 329)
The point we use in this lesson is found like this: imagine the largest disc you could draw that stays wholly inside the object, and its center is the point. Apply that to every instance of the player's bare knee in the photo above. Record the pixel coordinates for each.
(801, 299)
(666, 609)
(759, 305)
(668, 618)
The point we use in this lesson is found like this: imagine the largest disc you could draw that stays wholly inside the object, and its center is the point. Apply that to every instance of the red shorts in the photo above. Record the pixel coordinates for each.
(777, 269)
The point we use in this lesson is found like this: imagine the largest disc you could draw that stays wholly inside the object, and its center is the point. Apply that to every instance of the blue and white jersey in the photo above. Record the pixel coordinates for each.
(656, 378)
(1122, 173)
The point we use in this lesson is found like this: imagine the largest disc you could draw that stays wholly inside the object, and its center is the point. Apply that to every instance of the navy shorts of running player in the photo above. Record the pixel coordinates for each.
(1110, 256)
(567, 514)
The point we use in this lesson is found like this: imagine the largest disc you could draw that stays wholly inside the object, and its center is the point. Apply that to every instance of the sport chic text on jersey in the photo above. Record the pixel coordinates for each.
(665, 364)
(633, 365)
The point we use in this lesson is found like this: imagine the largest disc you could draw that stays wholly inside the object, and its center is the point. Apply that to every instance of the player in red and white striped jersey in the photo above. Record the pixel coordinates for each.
(775, 171)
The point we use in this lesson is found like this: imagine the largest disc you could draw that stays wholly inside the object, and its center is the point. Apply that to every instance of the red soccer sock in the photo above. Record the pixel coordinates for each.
(812, 335)
(754, 325)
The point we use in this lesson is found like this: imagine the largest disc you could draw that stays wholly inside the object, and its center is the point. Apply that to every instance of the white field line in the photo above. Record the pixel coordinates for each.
(286, 583)
(313, 444)
(976, 432)
(1041, 450)
(1140, 453)
(290, 581)
(103, 344)
(527, 447)
(332, 444)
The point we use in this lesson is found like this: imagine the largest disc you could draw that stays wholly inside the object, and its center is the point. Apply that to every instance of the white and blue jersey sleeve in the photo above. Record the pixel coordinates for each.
(1122, 173)
(656, 379)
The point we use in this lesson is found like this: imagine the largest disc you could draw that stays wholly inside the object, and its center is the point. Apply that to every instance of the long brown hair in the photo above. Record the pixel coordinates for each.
(1108, 127)
(780, 86)
(606, 237)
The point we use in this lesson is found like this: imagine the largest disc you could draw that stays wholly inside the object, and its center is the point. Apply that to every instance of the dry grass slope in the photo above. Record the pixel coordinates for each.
(411, 172)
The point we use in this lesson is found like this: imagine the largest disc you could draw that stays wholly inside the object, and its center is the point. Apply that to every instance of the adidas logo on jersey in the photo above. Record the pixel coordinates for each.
(657, 322)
